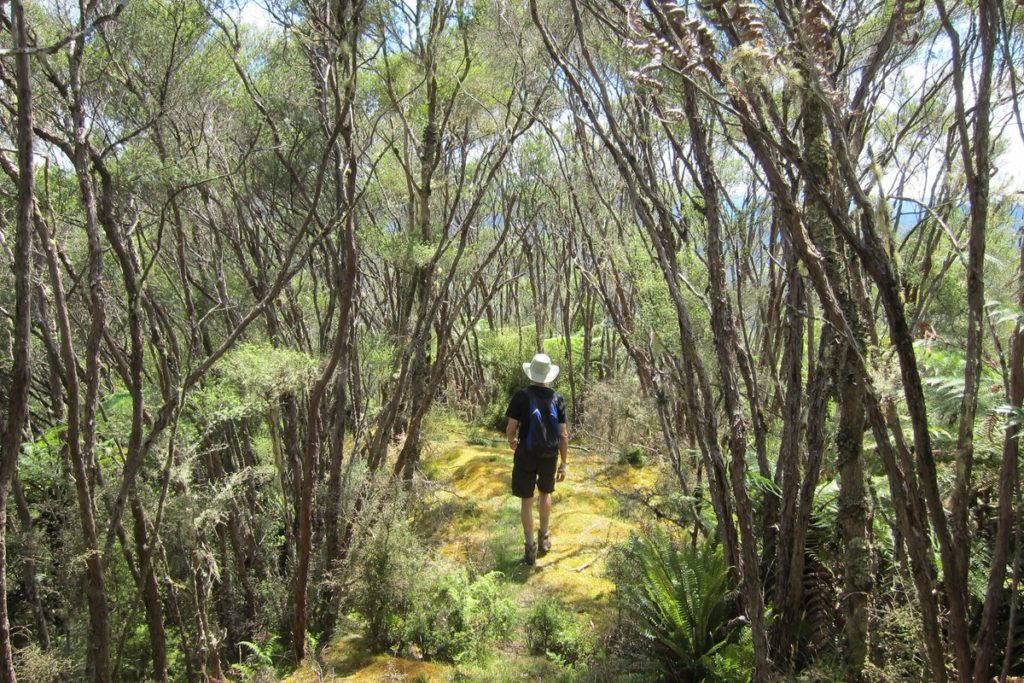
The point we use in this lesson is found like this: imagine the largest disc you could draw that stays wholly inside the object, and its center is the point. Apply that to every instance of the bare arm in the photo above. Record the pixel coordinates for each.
(563, 450)
(512, 432)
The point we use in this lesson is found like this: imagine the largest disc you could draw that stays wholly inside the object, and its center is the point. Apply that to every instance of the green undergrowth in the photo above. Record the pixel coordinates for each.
(450, 600)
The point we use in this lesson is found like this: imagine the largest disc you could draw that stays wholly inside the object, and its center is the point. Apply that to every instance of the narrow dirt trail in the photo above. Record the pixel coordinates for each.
(474, 520)
(585, 521)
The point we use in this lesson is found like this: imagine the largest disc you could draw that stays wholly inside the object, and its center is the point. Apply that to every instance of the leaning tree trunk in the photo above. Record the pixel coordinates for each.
(724, 329)
(974, 148)
(345, 88)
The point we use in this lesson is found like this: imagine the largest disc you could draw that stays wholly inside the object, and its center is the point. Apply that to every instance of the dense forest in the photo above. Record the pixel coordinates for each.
(268, 263)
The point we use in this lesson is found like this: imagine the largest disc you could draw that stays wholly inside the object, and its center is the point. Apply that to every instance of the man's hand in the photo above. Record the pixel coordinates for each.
(560, 474)
(513, 444)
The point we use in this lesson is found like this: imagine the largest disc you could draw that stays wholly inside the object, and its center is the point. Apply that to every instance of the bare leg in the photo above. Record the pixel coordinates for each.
(544, 508)
(526, 513)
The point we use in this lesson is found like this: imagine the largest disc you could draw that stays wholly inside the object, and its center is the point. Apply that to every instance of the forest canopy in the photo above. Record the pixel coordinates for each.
(273, 268)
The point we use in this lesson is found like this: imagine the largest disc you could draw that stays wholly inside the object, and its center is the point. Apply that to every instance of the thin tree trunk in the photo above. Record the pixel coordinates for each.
(334, 483)
(21, 370)
(818, 386)
(566, 304)
(209, 645)
(974, 148)
(850, 392)
(912, 522)
(99, 647)
(1008, 475)
(725, 333)
(29, 565)
(588, 340)
(789, 460)
(349, 22)
(86, 468)
(150, 591)
(1018, 563)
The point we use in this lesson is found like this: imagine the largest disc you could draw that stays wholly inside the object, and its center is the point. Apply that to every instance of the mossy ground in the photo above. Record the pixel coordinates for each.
(473, 519)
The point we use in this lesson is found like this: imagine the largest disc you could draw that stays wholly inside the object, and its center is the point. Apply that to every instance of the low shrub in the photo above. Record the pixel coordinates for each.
(455, 618)
(896, 639)
(633, 456)
(402, 595)
(387, 573)
(34, 664)
(553, 630)
(515, 668)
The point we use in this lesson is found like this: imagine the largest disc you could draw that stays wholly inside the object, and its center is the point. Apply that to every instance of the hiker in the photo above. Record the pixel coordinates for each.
(538, 435)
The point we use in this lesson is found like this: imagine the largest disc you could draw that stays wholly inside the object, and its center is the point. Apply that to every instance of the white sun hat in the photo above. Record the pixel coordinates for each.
(541, 369)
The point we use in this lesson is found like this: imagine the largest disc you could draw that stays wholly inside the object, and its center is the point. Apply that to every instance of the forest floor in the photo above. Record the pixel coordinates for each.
(473, 519)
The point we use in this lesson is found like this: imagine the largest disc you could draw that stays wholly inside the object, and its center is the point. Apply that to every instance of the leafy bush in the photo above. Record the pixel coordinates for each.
(386, 579)
(633, 456)
(618, 414)
(454, 618)
(34, 664)
(552, 630)
(896, 640)
(401, 598)
(246, 381)
(942, 370)
(478, 437)
(678, 599)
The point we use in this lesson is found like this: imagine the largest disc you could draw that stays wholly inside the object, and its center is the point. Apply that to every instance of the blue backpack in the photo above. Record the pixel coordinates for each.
(543, 431)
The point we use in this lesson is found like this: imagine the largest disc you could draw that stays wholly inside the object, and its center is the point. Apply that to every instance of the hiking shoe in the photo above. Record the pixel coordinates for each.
(543, 543)
(530, 556)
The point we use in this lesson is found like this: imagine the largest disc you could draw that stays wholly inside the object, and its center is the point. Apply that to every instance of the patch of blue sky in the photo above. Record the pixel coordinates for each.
(924, 71)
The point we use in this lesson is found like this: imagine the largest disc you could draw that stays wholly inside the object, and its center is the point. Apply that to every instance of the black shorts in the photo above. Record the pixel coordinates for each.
(529, 473)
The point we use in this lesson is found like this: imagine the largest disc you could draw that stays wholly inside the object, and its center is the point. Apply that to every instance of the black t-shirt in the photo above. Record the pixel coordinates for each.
(519, 406)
